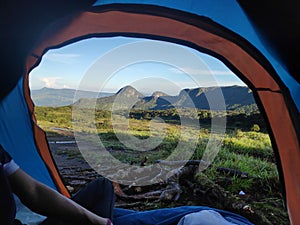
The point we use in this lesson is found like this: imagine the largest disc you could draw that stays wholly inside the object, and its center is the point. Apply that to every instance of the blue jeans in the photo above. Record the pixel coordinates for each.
(98, 197)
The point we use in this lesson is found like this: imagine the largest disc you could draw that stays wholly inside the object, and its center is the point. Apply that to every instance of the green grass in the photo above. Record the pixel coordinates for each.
(249, 143)
(245, 151)
(241, 149)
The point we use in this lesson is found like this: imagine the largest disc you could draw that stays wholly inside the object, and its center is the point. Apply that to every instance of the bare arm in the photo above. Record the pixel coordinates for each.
(43, 200)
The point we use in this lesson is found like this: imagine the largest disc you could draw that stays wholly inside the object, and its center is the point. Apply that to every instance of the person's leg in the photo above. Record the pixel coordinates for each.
(98, 196)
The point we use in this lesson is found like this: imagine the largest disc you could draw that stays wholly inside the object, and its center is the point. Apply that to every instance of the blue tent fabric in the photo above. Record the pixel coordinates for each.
(17, 135)
(168, 216)
(232, 16)
(22, 35)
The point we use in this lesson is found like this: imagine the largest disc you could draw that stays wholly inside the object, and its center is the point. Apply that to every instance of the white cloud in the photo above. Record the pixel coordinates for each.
(194, 72)
(66, 86)
(62, 58)
(52, 82)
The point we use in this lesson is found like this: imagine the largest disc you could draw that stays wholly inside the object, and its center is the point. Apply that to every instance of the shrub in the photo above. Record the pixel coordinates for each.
(255, 128)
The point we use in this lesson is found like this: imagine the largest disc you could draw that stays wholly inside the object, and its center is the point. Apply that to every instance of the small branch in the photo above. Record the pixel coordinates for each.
(181, 162)
(233, 172)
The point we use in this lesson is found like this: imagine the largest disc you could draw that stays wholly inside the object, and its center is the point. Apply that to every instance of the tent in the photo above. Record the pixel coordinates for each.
(256, 39)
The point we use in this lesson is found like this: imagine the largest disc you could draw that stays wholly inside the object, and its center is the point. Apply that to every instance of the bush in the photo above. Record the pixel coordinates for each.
(255, 128)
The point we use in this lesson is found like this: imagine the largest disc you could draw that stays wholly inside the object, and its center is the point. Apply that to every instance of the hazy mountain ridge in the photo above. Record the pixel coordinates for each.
(62, 97)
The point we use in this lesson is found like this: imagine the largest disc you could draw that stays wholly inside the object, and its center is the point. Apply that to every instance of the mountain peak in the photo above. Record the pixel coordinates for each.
(129, 91)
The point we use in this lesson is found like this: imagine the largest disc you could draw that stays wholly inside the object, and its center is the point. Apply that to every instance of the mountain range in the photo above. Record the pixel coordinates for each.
(235, 97)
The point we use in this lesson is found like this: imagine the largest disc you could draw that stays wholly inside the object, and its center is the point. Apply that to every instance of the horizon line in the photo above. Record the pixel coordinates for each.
(69, 88)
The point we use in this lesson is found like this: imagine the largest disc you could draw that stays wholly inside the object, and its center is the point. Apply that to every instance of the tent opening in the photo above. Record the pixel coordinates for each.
(141, 103)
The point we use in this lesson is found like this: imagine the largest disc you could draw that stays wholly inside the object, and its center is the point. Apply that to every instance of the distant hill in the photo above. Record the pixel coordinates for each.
(124, 97)
(236, 98)
(61, 97)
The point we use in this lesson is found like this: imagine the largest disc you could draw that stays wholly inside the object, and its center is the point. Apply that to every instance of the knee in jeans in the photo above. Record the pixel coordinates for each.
(103, 182)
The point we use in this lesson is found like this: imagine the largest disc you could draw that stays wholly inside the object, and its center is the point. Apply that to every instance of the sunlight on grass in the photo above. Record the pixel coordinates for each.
(247, 151)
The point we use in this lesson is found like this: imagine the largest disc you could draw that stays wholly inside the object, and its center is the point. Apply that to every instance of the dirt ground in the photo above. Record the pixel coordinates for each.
(76, 173)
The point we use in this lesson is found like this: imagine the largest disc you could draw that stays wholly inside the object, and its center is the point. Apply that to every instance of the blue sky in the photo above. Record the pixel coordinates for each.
(67, 67)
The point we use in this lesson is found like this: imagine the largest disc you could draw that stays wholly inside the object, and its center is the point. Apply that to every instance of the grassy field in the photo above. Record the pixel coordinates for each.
(243, 149)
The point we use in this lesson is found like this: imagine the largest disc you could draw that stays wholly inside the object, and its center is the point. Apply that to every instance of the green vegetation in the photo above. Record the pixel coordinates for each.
(246, 147)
